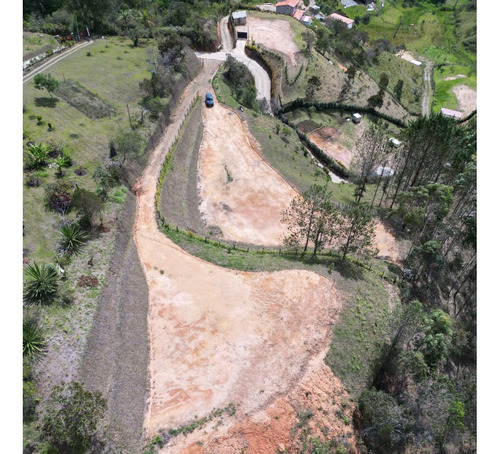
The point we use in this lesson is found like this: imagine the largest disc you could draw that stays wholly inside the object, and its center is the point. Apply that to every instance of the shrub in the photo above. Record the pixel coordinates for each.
(71, 418)
(36, 155)
(57, 196)
(88, 204)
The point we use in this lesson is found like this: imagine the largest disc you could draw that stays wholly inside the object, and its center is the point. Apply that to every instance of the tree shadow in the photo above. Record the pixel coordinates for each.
(348, 269)
(46, 102)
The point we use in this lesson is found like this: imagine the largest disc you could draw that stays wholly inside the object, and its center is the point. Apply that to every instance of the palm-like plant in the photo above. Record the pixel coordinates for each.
(40, 284)
(33, 339)
(38, 153)
(72, 238)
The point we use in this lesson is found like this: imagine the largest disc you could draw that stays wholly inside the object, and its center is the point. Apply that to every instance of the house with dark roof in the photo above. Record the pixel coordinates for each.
(287, 7)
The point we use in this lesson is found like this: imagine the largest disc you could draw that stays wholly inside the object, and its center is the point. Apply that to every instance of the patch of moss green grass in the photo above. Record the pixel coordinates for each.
(444, 96)
(34, 44)
(84, 139)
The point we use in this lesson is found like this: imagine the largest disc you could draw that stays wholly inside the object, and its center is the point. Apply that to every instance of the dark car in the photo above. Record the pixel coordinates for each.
(209, 100)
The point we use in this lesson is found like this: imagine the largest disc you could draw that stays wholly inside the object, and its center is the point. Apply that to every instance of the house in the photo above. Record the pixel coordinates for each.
(239, 17)
(348, 3)
(302, 17)
(395, 142)
(451, 113)
(356, 118)
(287, 7)
(381, 171)
(344, 19)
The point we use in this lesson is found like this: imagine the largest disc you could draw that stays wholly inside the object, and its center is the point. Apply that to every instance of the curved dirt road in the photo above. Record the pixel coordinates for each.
(262, 80)
(219, 335)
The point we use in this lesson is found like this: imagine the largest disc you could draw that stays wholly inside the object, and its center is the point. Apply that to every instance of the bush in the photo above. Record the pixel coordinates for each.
(58, 196)
(71, 418)
(88, 204)
(385, 426)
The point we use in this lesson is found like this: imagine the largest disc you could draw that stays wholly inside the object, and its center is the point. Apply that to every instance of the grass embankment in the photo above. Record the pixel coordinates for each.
(36, 43)
(112, 72)
(398, 69)
(179, 194)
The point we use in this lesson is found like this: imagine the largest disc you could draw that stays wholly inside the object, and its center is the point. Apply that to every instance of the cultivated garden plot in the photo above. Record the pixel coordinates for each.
(240, 193)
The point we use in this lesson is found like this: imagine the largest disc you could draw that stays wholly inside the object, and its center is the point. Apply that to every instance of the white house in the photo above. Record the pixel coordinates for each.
(239, 17)
(451, 113)
(356, 118)
(344, 19)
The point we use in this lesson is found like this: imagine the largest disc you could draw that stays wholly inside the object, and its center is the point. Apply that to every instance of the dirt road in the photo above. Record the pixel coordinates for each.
(218, 335)
(27, 77)
(240, 193)
(427, 87)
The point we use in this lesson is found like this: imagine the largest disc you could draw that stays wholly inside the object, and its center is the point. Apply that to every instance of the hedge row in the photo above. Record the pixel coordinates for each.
(301, 103)
(319, 154)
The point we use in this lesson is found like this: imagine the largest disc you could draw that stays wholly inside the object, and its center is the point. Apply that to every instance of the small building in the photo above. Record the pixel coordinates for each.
(314, 9)
(287, 7)
(382, 171)
(241, 32)
(302, 17)
(356, 118)
(415, 62)
(343, 19)
(395, 142)
(451, 113)
(348, 3)
(239, 17)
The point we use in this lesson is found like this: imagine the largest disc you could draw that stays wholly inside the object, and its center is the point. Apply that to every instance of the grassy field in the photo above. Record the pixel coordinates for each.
(112, 71)
(34, 44)
(444, 96)
(398, 69)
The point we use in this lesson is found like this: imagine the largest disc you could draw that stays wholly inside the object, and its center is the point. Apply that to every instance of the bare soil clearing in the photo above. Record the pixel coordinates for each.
(458, 76)
(327, 138)
(385, 242)
(274, 34)
(218, 335)
(466, 97)
(240, 193)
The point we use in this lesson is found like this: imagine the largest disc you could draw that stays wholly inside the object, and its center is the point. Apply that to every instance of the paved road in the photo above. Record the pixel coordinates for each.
(55, 60)
(262, 80)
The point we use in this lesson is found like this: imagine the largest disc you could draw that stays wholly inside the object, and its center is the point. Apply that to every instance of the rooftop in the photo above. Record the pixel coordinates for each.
(239, 14)
(298, 14)
(344, 19)
(292, 3)
(451, 113)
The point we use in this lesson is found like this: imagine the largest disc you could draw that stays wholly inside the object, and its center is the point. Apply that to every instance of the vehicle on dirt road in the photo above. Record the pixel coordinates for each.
(209, 100)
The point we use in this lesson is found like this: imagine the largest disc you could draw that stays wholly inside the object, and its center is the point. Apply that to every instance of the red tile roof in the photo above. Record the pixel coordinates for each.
(292, 3)
(298, 14)
(344, 19)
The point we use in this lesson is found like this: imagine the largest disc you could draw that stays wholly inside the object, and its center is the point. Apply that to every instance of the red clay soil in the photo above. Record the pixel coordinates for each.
(327, 138)
(241, 194)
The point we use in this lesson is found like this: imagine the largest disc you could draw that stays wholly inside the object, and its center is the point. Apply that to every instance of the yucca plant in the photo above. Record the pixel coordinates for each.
(72, 238)
(33, 339)
(40, 284)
